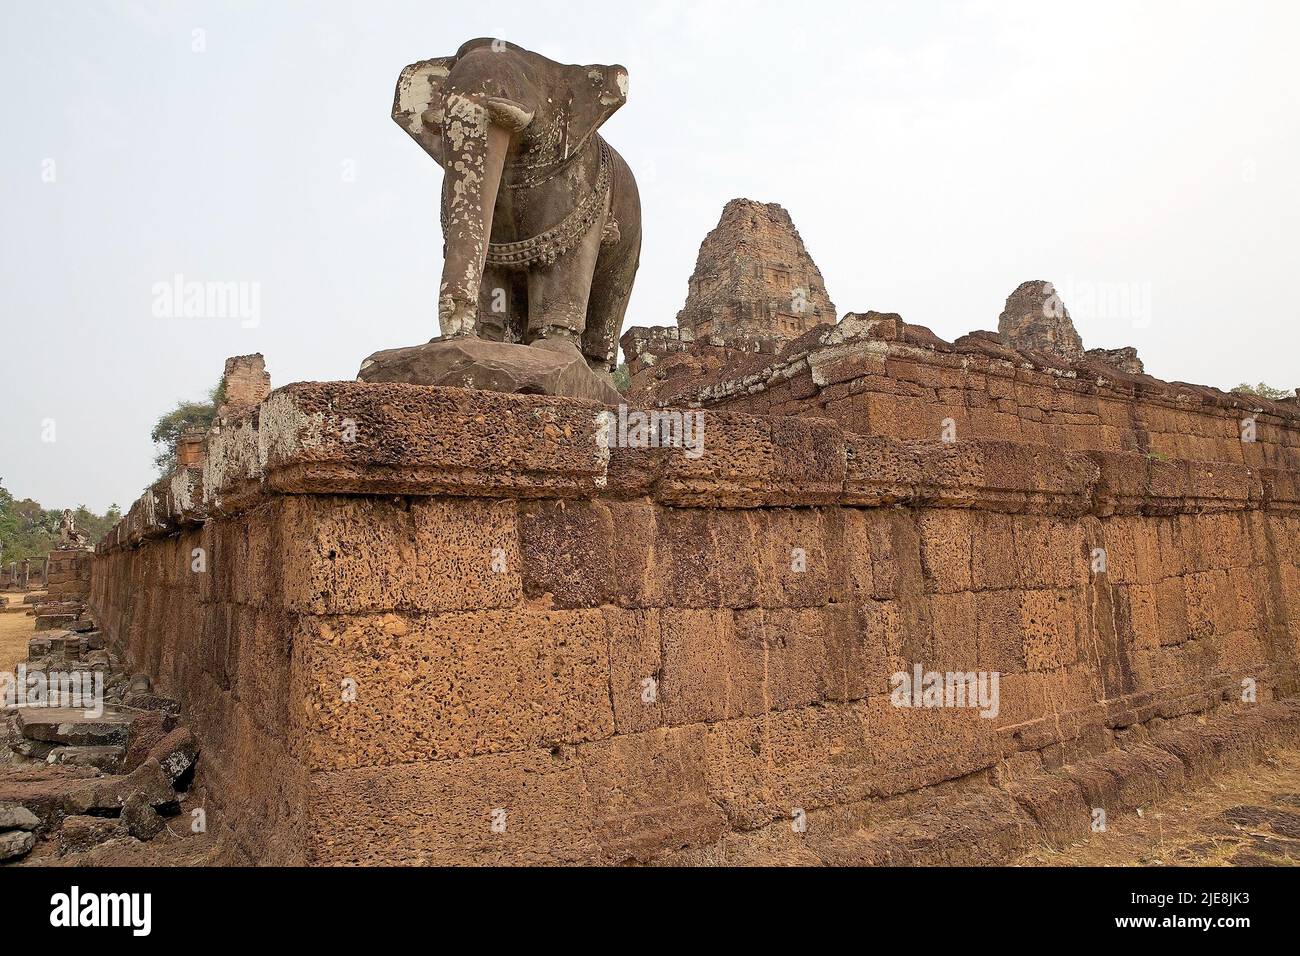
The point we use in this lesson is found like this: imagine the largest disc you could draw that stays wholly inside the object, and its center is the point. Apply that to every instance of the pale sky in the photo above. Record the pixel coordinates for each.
(933, 156)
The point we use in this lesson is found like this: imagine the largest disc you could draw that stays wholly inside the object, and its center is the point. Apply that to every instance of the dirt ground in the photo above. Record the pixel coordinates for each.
(1249, 817)
(15, 629)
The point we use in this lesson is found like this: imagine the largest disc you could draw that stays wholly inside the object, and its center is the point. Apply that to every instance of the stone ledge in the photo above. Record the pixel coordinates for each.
(389, 439)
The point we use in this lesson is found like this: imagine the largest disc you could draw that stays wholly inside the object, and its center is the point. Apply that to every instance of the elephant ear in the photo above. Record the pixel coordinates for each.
(417, 103)
(596, 92)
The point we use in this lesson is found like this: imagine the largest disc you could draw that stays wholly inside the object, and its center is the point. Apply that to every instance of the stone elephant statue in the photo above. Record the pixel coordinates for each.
(541, 218)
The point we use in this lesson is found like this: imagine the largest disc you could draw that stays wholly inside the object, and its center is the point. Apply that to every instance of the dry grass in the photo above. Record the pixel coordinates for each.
(1190, 829)
(15, 629)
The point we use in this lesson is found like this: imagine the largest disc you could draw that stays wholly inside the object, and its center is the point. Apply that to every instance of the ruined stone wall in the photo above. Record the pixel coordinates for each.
(876, 375)
(217, 640)
(638, 655)
(69, 574)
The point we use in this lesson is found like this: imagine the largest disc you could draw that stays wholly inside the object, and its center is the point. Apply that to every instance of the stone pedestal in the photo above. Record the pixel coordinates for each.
(545, 368)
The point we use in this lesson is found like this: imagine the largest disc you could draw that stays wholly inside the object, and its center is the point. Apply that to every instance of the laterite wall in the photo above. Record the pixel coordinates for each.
(499, 589)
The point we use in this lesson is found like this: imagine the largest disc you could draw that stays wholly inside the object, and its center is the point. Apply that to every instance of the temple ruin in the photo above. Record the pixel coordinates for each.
(899, 601)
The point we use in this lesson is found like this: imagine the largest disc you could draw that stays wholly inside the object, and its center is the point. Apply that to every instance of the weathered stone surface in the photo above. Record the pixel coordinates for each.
(149, 781)
(106, 758)
(467, 362)
(1125, 359)
(48, 622)
(15, 844)
(753, 276)
(81, 833)
(16, 817)
(666, 652)
(139, 684)
(175, 753)
(1036, 318)
(147, 730)
(71, 727)
(244, 385)
(140, 819)
(168, 705)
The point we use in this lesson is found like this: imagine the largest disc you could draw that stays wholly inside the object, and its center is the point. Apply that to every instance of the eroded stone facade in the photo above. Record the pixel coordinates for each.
(1035, 318)
(624, 654)
(755, 278)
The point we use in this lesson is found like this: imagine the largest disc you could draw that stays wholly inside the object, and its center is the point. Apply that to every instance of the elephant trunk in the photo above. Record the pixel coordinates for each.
(475, 156)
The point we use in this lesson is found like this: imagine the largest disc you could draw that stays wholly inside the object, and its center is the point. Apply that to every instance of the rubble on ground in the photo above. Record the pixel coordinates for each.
(114, 766)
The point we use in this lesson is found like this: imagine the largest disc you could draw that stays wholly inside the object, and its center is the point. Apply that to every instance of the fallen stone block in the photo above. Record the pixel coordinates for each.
(98, 659)
(73, 647)
(71, 727)
(14, 816)
(106, 758)
(95, 641)
(139, 684)
(148, 728)
(139, 817)
(150, 781)
(52, 800)
(46, 622)
(38, 647)
(80, 833)
(16, 843)
(984, 829)
(1056, 805)
(175, 753)
(1192, 750)
(59, 607)
(1100, 790)
(32, 749)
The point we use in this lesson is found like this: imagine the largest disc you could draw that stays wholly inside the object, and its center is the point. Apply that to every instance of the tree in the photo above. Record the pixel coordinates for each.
(168, 429)
(1262, 390)
(622, 379)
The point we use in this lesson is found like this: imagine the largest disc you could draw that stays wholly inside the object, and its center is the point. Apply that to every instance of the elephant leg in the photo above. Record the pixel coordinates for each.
(611, 288)
(503, 305)
(558, 293)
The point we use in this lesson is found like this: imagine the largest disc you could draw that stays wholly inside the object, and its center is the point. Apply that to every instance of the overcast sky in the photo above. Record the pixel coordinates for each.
(1142, 156)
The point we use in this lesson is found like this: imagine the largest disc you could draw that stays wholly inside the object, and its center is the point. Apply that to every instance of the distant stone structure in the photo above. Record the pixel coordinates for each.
(754, 278)
(1125, 359)
(69, 536)
(245, 384)
(754, 287)
(1036, 318)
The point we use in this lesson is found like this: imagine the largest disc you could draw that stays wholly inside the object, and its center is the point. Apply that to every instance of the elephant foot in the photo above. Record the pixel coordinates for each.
(558, 340)
(554, 367)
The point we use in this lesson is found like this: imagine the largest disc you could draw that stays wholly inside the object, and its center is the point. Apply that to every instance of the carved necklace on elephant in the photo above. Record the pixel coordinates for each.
(548, 246)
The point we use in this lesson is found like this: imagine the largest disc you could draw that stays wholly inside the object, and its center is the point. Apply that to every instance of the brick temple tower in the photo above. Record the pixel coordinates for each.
(754, 277)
